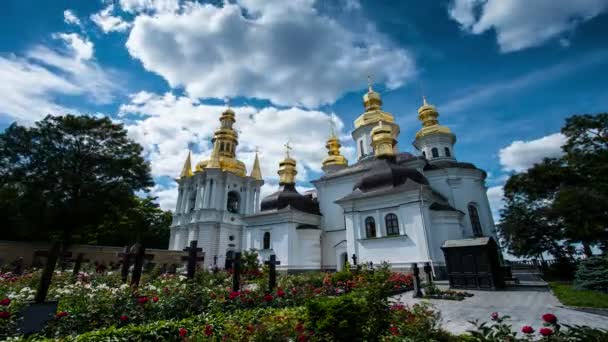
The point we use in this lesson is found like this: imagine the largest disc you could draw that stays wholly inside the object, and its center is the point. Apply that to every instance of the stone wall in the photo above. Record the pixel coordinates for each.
(11, 251)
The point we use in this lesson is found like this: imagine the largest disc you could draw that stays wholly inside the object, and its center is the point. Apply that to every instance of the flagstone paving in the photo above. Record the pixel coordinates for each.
(525, 306)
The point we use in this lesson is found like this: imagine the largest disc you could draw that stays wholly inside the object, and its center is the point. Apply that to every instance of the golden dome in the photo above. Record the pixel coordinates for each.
(287, 169)
(383, 141)
(333, 152)
(373, 110)
(428, 115)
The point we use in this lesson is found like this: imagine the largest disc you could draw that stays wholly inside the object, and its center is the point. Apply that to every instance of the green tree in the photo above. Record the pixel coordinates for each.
(61, 177)
(561, 201)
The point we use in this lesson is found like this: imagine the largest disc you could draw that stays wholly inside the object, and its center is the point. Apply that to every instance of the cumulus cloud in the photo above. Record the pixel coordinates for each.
(70, 18)
(108, 22)
(32, 83)
(521, 155)
(521, 24)
(135, 6)
(495, 197)
(284, 51)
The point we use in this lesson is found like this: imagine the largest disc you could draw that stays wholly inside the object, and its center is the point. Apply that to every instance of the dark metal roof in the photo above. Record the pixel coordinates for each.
(288, 196)
(365, 164)
(446, 164)
(481, 241)
(442, 206)
(358, 194)
(387, 173)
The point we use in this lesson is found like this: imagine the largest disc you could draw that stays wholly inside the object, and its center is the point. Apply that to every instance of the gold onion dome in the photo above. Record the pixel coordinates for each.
(287, 169)
(372, 101)
(383, 141)
(225, 141)
(428, 115)
(333, 152)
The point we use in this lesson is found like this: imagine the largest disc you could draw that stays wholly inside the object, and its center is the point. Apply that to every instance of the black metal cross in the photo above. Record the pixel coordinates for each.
(125, 260)
(354, 259)
(47, 273)
(429, 273)
(139, 252)
(192, 258)
(236, 272)
(78, 263)
(416, 271)
(272, 272)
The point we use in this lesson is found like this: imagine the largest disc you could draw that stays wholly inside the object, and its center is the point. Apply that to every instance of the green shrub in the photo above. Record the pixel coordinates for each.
(592, 274)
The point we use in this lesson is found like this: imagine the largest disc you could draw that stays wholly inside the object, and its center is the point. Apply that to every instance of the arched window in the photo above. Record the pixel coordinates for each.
(232, 204)
(370, 227)
(447, 152)
(435, 152)
(266, 240)
(361, 148)
(474, 217)
(424, 154)
(392, 224)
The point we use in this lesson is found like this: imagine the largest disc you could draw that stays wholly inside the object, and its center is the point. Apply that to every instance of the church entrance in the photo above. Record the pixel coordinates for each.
(343, 261)
(229, 258)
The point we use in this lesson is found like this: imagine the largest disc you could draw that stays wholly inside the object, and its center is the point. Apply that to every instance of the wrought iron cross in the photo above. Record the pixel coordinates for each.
(272, 272)
(192, 258)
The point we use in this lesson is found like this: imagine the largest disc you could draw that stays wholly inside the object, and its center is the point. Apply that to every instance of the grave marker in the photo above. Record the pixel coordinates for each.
(18, 266)
(140, 255)
(272, 273)
(125, 260)
(47, 273)
(78, 263)
(193, 258)
(429, 273)
(236, 272)
(416, 271)
(354, 259)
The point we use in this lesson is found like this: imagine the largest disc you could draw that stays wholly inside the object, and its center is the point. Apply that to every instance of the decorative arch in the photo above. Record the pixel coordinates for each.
(435, 152)
(233, 203)
(474, 218)
(392, 224)
(370, 227)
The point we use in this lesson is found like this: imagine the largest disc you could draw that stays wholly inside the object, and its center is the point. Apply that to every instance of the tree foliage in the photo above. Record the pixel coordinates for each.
(561, 201)
(67, 176)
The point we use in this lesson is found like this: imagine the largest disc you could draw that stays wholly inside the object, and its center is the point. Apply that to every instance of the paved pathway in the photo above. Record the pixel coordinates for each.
(525, 306)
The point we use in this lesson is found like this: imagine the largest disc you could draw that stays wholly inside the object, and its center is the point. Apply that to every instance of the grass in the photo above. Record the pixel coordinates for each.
(568, 295)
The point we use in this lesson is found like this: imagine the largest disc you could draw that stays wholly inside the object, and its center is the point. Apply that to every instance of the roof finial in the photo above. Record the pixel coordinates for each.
(332, 127)
(287, 148)
(227, 102)
(424, 103)
(369, 83)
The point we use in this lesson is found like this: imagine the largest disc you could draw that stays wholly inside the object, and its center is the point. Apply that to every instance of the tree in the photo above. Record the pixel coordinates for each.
(561, 201)
(60, 178)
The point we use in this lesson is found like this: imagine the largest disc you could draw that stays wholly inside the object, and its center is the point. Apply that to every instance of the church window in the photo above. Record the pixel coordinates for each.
(424, 154)
(435, 152)
(474, 217)
(232, 205)
(210, 197)
(221, 146)
(447, 152)
(361, 151)
(266, 240)
(370, 227)
(191, 200)
(392, 224)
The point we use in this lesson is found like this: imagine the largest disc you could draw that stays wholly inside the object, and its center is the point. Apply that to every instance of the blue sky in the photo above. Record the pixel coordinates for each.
(503, 74)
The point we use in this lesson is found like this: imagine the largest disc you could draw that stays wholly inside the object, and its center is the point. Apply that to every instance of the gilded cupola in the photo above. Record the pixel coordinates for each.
(372, 101)
(334, 158)
(287, 168)
(428, 115)
(383, 141)
(225, 141)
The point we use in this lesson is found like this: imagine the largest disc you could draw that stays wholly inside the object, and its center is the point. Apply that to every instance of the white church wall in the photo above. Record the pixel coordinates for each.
(445, 225)
(329, 242)
(307, 243)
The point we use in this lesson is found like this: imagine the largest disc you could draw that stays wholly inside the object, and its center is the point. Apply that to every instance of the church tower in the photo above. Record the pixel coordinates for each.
(435, 142)
(214, 198)
(372, 101)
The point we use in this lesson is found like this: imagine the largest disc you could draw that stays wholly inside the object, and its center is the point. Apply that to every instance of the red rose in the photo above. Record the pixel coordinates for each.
(300, 327)
(280, 293)
(142, 300)
(5, 314)
(183, 332)
(234, 294)
(302, 338)
(394, 330)
(124, 318)
(294, 291)
(545, 331)
(5, 302)
(526, 329)
(155, 299)
(494, 316)
(268, 298)
(549, 318)
(208, 330)
(61, 314)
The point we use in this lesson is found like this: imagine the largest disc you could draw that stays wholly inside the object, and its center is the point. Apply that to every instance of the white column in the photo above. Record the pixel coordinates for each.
(197, 200)
(245, 200)
(179, 200)
(257, 199)
(379, 224)
(205, 194)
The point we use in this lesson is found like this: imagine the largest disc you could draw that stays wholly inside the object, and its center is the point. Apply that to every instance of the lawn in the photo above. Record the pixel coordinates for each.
(568, 295)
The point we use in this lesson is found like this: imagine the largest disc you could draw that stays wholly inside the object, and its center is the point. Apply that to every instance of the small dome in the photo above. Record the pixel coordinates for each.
(386, 173)
(289, 196)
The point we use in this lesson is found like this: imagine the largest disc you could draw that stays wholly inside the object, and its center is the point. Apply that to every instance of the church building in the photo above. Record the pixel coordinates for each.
(388, 206)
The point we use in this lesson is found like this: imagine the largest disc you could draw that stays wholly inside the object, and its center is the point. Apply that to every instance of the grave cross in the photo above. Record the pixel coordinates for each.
(18, 266)
(139, 253)
(215, 268)
(354, 259)
(78, 263)
(192, 258)
(125, 260)
(428, 270)
(416, 271)
(236, 272)
(272, 273)
(47, 273)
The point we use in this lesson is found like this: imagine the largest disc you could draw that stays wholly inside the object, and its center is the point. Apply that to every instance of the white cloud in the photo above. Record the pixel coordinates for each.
(167, 196)
(70, 18)
(495, 195)
(31, 84)
(108, 22)
(521, 155)
(284, 51)
(135, 6)
(521, 24)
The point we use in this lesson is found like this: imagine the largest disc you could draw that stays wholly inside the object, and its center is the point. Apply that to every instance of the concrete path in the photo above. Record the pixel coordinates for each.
(525, 306)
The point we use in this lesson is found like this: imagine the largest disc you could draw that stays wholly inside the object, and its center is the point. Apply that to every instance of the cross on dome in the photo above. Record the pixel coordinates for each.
(287, 148)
